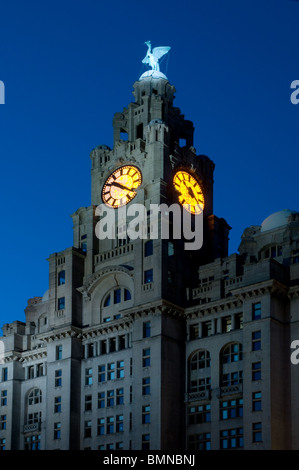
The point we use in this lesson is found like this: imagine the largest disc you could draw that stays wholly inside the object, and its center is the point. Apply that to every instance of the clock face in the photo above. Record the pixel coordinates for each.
(120, 187)
(189, 191)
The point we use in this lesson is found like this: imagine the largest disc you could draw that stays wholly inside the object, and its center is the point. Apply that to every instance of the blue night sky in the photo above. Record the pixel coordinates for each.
(68, 66)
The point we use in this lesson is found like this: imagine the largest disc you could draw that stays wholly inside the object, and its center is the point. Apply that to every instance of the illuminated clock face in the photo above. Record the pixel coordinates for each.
(189, 192)
(120, 187)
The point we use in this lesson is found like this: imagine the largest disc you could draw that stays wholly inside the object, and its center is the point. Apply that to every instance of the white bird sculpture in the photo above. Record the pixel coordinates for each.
(152, 56)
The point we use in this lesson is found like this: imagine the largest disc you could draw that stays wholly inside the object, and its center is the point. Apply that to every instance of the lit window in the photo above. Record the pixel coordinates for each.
(199, 414)
(230, 409)
(111, 371)
(2, 422)
(232, 353)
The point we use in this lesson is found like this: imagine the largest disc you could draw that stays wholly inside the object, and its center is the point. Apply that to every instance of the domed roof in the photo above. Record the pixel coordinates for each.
(277, 219)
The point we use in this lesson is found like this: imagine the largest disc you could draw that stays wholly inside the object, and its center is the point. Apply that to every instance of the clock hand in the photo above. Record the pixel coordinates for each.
(121, 186)
(191, 193)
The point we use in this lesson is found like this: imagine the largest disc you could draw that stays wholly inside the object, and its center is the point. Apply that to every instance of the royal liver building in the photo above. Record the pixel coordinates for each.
(140, 343)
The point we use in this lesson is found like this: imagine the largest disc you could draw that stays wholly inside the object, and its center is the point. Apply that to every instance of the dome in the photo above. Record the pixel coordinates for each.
(276, 220)
(153, 74)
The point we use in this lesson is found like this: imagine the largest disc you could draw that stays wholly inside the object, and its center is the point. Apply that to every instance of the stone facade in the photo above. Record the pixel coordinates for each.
(150, 346)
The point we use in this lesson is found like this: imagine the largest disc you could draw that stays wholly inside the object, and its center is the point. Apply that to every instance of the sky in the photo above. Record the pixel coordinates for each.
(68, 66)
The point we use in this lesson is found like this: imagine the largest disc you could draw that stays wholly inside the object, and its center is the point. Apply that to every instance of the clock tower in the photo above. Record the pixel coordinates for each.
(143, 283)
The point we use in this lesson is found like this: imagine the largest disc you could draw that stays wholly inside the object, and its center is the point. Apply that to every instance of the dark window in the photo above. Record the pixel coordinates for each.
(256, 371)
(148, 276)
(256, 311)
(148, 248)
(61, 303)
(146, 357)
(61, 278)
(127, 295)
(256, 340)
(117, 296)
(139, 131)
(256, 432)
(256, 401)
(146, 329)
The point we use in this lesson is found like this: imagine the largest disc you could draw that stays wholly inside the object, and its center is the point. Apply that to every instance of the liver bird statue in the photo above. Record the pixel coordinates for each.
(152, 56)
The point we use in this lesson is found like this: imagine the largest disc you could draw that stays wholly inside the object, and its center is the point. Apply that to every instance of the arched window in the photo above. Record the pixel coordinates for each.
(117, 296)
(35, 396)
(231, 364)
(199, 371)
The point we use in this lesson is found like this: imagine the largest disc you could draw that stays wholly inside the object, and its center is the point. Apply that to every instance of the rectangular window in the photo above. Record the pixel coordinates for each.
(102, 373)
(230, 409)
(148, 248)
(87, 428)
(145, 442)
(146, 329)
(200, 441)
(120, 370)
(110, 398)
(146, 387)
(256, 340)
(256, 432)
(57, 405)
(148, 276)
(2, 444)
(88, 376)
(238, 321)
(170, 249)
(231, 438)
(194, 331)
(58, 378)
(61, 303)
(39, 370)
(256, 371)
(146, 414)
(146, 357)
(256, 401)
(119, 423)
(32, 442)
(58, 352)
(61, 278)
(101, 400)
(3, 398)
(4, 374)
(206, 329)
(101, 426)
(120, 396)
(111, 371)
(226, 324)
(199, 414)
(57, 430)
(256, 311)
(34, 417)
(110, 425)
(88, 402)
(3, 422)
